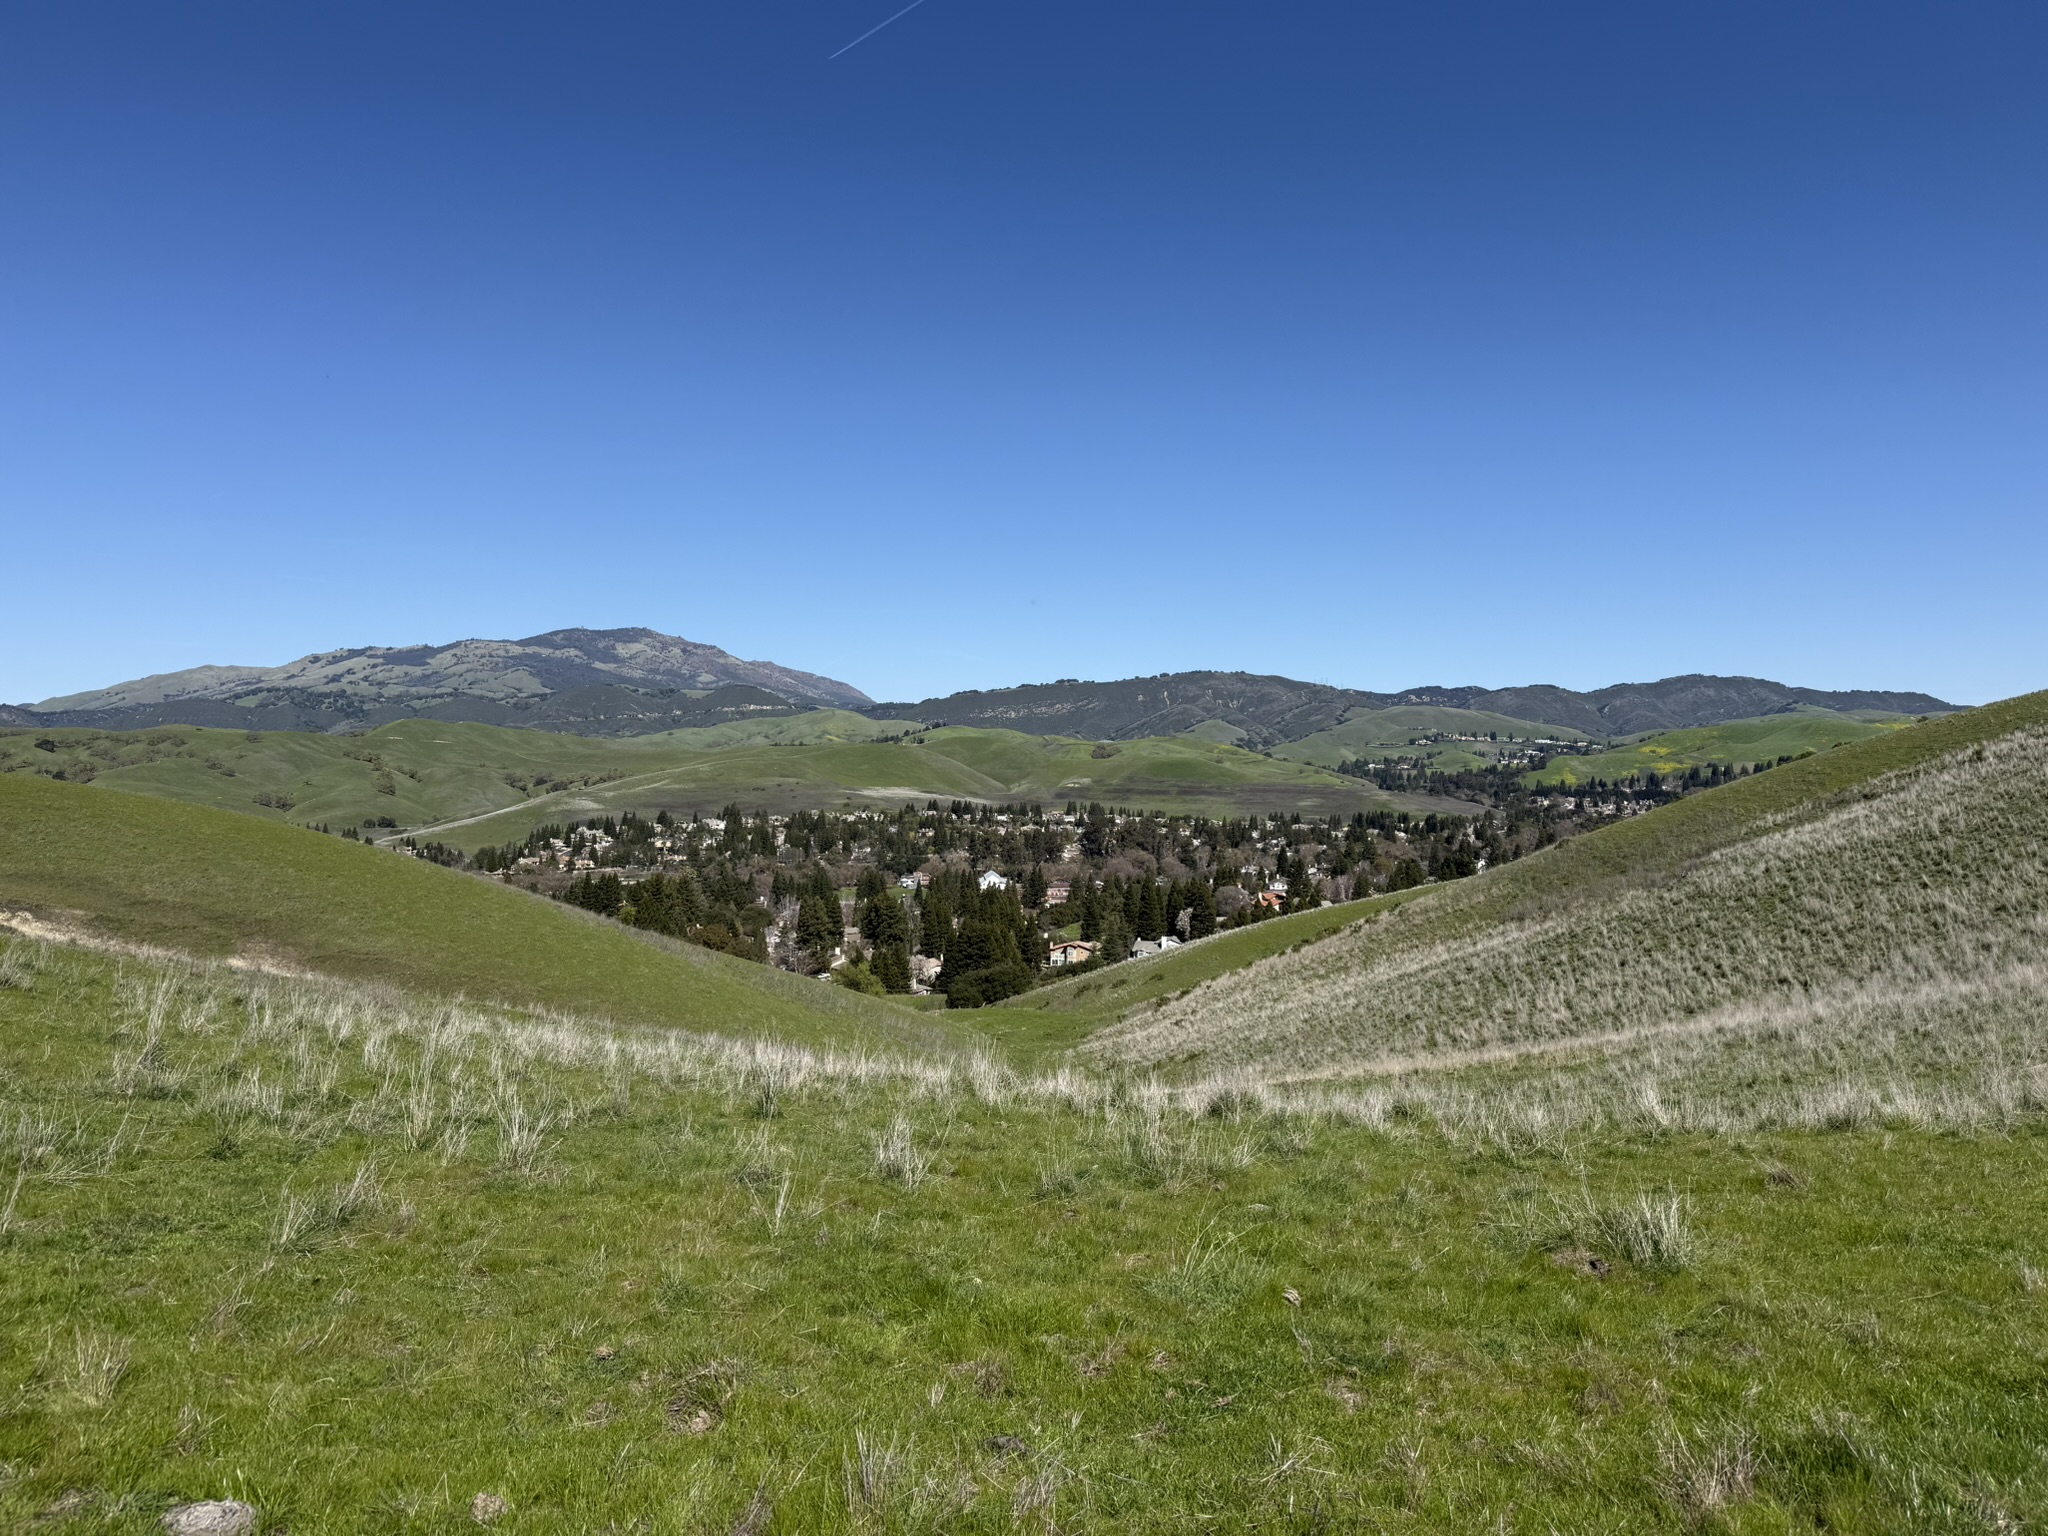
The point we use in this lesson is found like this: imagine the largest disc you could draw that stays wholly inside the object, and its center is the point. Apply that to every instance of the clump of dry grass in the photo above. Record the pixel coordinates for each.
(98, 1365)
(1703, 1476)
(897, 1157)
(20, 962)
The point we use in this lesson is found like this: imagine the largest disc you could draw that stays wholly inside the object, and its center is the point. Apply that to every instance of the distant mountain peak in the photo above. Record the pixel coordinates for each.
(333, 687)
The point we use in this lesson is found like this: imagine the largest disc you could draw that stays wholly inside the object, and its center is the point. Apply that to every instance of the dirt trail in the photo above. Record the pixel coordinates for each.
(78, 936)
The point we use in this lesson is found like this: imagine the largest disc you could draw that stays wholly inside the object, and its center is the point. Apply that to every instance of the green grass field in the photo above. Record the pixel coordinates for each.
(357, 1263)
(1763, 740)
(205, 882)
(424, 773)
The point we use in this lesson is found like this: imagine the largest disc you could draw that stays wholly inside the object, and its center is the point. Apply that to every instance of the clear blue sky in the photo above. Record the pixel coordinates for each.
(1383, 345)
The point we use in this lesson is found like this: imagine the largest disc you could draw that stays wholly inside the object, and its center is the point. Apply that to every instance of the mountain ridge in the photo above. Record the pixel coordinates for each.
(1271, 710)
(624, 673)
(636, 681)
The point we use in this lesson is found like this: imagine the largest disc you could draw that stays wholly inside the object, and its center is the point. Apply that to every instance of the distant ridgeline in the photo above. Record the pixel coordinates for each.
(1262, 712)
(635, 682)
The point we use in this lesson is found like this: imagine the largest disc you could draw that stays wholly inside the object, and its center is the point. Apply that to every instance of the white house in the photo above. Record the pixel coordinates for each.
(992, 881)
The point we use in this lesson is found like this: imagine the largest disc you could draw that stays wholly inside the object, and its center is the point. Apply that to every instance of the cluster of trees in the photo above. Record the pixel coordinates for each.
(990, 945)
(718, 912)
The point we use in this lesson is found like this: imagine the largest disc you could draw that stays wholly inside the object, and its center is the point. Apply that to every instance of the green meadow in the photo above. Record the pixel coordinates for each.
(477, 784)
(1392, 732)
(358, 1261)
(1744, 742)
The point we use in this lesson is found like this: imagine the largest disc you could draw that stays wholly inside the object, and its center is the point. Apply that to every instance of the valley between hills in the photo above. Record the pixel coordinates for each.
(831, 1120)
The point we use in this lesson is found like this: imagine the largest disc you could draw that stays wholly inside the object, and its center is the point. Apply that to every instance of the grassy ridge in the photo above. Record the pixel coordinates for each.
(266, 1243)
(1763, 740)
(424, 773)
(1911, 863)
(210, 883)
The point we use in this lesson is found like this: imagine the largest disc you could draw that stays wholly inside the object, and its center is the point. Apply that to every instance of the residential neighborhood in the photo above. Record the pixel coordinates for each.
(972, 900)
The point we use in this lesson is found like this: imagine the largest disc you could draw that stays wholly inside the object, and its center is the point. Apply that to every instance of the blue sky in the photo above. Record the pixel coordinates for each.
(1481, 342)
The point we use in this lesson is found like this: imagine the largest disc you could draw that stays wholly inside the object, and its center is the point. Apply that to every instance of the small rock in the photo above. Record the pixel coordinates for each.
(211, 1517)
(486, 1507)
(1007, 1445)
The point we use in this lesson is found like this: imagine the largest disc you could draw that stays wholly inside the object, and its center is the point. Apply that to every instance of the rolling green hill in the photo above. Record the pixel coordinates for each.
(428, 774)
(1763, 740)
(1365, 732)
(205, 882)
(1880, 898)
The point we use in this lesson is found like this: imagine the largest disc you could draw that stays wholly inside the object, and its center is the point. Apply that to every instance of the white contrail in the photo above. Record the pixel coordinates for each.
(871, 31)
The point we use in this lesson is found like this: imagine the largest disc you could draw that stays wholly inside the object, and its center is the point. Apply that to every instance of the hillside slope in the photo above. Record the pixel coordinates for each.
(1911, 865)
(206, 882)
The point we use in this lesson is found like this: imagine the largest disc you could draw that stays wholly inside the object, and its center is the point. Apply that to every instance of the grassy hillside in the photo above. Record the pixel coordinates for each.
(363, 1263)
(1763, 740)
(1037, 1025)
(1366, 732)
(1886, 893)
(425, 773)
(209, 883)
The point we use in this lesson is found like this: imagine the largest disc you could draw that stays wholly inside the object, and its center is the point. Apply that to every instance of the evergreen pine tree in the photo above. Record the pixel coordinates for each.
(818, 928)
(936, 929)
(882, 921)
(1151, 918)
(891, 967)
(1116, 937)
